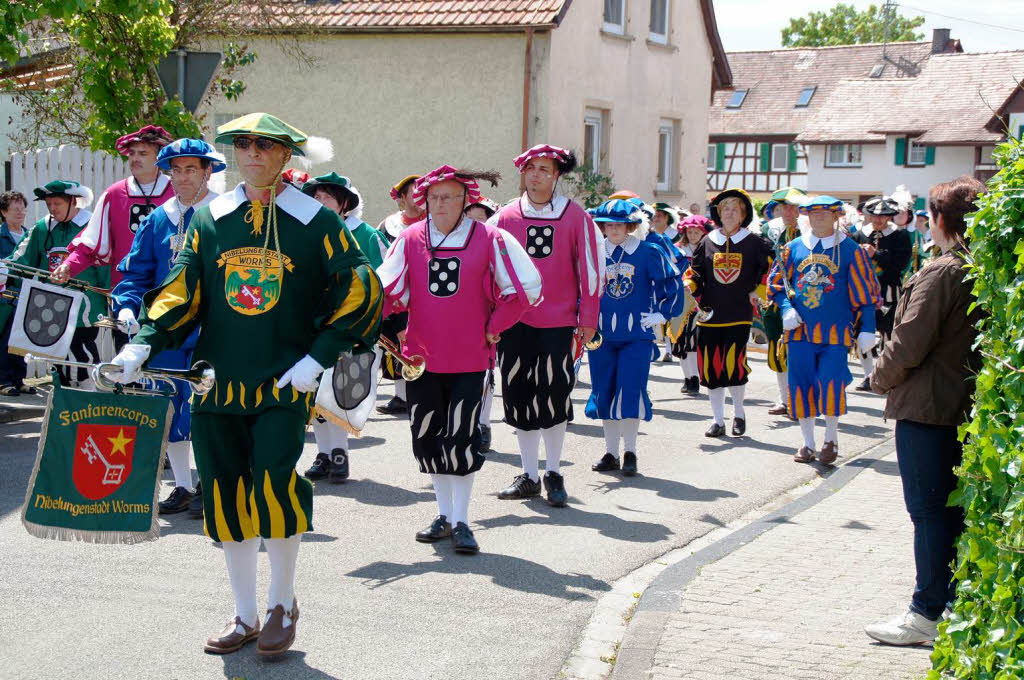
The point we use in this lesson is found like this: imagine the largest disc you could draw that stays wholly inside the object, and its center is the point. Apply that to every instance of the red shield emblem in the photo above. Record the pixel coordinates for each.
(727, 267)
(55, 258)
(103, 459)
(250, 297)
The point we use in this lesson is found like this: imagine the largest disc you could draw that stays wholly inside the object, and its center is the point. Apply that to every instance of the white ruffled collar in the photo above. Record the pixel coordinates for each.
(172, 208)
(291, 200)
(549, 211)
(629, 245)
(718, 237)
(810, 240)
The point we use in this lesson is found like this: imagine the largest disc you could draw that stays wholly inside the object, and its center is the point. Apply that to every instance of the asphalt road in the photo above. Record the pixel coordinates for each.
(376, 604)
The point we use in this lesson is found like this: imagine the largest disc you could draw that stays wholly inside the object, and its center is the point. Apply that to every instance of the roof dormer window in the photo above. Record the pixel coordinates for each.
(736, 101)
(805, 96)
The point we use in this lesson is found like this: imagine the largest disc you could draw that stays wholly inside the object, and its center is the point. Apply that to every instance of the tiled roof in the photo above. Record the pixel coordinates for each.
(952, 101)
(411, 14)
(775, 78)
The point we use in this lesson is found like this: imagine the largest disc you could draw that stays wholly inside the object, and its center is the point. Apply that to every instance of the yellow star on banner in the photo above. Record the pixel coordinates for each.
(119, 442)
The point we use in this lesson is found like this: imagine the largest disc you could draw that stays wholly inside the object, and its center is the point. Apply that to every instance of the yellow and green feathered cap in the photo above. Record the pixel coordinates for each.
(785, 195)
(314, 149)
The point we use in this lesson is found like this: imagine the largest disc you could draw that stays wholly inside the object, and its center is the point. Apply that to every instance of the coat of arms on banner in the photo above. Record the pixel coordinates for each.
(251, 286)
(727, 267)
(103, 459)
(45, 320)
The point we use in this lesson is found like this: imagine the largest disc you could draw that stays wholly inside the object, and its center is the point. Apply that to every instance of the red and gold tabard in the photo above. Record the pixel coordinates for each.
(722, 275)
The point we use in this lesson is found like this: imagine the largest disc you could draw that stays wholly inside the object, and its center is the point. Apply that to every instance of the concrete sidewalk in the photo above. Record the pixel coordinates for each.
(788, 595)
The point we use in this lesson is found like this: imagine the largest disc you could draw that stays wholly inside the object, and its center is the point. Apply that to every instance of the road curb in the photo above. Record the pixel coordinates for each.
(636, 653)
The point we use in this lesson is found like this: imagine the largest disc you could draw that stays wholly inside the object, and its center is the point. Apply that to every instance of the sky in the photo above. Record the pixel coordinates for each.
(757, 24)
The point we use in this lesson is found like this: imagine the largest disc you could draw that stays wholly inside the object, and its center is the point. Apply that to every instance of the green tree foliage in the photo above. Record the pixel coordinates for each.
(984, 638)
(590, 187)
(844, 25)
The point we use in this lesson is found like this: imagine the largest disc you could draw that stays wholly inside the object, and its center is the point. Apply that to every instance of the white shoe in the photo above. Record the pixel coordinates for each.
(908, 629)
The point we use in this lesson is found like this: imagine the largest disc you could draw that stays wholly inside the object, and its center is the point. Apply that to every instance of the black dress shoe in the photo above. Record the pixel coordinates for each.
(438, 529)
(554, 484)
(522, 487)
(485, 438)
(629, 464)
(715, 430)
(177, 502)
(864, 385)
(739, 427)
(320, 468)
(195, 506)
(339, 467)
(463, 541)
(608, 463)
(394, 407)
(693, 385)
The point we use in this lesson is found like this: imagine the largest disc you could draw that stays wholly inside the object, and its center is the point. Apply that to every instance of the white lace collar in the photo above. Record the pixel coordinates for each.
(629, 245)
(718, 237)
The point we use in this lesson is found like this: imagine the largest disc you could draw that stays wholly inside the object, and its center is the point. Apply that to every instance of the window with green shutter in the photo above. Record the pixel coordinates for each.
(766, 157)
(929, 155)
(720, 157)
(791, 166)
(901, 151)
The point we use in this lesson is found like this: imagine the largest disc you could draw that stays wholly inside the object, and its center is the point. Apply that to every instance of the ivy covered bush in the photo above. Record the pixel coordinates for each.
(984, 638)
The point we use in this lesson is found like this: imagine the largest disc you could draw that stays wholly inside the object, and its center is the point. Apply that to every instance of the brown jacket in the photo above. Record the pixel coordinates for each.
(928, 367)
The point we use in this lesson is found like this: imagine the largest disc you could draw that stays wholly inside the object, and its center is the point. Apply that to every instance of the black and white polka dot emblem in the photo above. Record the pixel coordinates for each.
(444, 276)
(137, 213)
(47, 316)
(540, 241)
(352, 379)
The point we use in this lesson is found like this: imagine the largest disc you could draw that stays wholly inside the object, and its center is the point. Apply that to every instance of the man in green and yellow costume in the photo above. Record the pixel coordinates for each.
(279, 289)
(783, 225)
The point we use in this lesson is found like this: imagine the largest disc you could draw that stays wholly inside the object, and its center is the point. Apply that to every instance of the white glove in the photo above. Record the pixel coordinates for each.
(865, 342)
(130, 359)
(651, 319)
(127, 316)
(791, 319)
(3, 276)
(303, 375)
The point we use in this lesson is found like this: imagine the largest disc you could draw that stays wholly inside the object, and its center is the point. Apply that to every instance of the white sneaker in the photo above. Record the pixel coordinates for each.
(907, 629)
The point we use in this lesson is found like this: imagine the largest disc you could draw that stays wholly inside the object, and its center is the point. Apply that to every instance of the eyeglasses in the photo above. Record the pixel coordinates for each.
(444, 198)
(262, 143)
(189, 172)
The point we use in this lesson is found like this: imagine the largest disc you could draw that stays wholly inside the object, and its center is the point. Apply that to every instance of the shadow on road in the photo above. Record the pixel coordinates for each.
(292, 665)
(572, 516)
(666, 488)
(503, 570)
(17, 456)
(371, 492)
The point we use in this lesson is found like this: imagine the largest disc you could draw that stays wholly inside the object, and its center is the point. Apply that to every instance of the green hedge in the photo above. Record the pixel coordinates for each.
(984, 638)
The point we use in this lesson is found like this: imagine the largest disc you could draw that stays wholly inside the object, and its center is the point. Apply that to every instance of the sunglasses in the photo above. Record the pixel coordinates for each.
(262, 143)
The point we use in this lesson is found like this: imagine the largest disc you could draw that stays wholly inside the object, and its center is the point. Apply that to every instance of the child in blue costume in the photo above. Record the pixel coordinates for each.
(821, 281)
(642, 290)
(664, 217)
(160, 237)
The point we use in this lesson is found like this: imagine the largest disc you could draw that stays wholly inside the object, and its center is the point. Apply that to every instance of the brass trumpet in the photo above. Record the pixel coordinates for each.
(412, 367)
(24, 272)
(201, 376)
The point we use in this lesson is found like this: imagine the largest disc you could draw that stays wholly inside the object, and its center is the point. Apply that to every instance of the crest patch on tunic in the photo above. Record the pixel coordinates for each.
(727, 267)
(620, 280)
(816, 279)
(137, 213)
(251, 286)
(540, 241)
(444, 276)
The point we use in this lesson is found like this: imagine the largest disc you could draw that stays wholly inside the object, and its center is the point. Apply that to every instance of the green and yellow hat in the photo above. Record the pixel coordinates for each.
(673, 216)
(313, 149)
(785, 195)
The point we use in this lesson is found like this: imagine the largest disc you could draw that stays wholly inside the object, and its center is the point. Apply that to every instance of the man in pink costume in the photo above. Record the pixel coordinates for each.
(463, 284)
(536, 355)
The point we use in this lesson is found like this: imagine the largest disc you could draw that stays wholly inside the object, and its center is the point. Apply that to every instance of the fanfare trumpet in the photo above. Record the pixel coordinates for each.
(23, 271)
(412, 367)
(201, 376)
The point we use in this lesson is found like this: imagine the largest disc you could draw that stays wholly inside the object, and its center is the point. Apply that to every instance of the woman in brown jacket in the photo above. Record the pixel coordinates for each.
(927, 370)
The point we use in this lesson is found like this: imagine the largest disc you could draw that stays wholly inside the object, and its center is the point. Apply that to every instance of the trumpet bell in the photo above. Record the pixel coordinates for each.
(595, 342)
(704, 315)
(415, 368)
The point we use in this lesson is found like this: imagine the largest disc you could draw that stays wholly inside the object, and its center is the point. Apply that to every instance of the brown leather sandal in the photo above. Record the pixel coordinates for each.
(276, 638)
(230, 640)
(829, 453)
(804, 455)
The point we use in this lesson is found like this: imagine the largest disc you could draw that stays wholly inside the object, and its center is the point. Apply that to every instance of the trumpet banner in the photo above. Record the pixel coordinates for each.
(97, 470)
(348, 390)
(45, 319)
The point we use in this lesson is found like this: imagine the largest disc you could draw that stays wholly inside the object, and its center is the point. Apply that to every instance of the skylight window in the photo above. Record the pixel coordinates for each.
(736, 101)
(805, 96)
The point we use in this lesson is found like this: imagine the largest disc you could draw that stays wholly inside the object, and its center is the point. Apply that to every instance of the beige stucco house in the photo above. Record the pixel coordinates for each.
(401, 87)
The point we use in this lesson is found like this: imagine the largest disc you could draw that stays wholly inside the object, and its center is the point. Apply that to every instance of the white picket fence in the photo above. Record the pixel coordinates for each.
(94, 169)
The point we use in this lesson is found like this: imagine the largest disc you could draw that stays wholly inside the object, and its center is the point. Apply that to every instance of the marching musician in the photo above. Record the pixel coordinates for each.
(120, 210)
(641, 291)
(393, 327)
(279, 288)
(340, 196)
(536, 355)
(694, 229)
(464, 284)
(13, 210)
(890, 250)
(725, 275)
(663, 217)
(784, 224)
(481, 211)
(821, 282)
(155, 248)
(46, 247)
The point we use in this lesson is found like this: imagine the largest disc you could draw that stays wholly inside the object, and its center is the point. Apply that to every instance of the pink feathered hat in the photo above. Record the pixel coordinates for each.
(443, 174)
(150, 134)
(541, 151)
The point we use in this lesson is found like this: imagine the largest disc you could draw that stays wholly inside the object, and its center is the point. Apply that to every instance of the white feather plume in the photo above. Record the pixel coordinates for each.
(83, 196)
(217, 183)
(904, 199)
(317, 150)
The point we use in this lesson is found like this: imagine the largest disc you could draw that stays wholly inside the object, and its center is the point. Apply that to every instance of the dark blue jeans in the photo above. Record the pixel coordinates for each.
(12, 366)
(927, 455)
